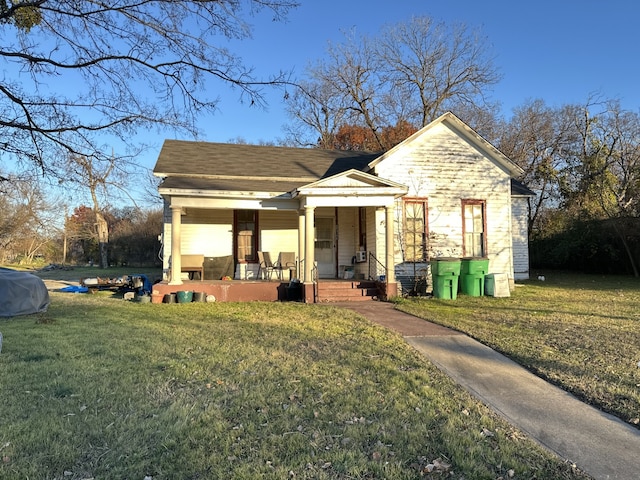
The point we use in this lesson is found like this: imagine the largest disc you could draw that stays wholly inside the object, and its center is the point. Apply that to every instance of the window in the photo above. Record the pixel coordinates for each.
(415, 230)
(474, 228)
(245, 224)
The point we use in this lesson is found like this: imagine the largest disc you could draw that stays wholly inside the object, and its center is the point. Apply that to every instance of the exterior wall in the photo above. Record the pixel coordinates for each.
(206, 232)
(278, 232)
(210, 232)
(520, 206)
(444, 168)
(347, 238)
(380, 242)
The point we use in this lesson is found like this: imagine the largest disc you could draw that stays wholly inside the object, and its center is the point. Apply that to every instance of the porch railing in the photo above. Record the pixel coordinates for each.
(376, 268)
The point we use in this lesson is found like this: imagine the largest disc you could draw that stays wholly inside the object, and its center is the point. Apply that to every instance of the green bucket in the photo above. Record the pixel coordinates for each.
(185, 296)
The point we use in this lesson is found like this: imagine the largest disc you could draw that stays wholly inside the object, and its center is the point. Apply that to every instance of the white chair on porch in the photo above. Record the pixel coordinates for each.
(286, 262)
(266, 266)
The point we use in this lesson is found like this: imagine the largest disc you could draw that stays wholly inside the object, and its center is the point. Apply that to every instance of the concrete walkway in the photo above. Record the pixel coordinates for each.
(599, 444)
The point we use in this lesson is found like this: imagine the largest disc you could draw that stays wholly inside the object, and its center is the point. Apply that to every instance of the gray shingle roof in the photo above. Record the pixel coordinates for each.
(519, 188)
(185, 158)
(231, 185)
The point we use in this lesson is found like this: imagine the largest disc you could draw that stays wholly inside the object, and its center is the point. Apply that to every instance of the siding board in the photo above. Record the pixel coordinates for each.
(444, 168)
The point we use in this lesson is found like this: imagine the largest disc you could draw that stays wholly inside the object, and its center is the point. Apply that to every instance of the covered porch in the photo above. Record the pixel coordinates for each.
(327, 237)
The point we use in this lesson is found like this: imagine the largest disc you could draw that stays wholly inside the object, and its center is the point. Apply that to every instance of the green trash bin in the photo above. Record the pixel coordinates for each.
(472, 273)
(445, 272)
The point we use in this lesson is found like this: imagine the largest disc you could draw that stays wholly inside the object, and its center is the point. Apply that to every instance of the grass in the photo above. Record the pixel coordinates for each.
(102, 388)
(580, 332)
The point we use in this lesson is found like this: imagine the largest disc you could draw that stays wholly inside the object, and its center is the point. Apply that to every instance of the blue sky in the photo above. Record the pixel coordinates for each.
(560, 51)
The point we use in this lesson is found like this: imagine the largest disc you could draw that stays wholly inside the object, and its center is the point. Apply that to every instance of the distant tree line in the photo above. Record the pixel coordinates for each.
(133, 236)
(36, 231)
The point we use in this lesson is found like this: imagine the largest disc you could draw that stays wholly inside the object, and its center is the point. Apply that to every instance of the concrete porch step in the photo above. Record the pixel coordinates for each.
(346, 290)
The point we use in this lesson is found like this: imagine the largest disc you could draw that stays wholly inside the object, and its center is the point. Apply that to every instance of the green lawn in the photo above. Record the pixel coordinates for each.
(581, 332)
(102, 388)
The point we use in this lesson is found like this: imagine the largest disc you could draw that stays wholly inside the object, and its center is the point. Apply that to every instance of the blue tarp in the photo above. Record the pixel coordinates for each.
(146, 283)
(74, 289)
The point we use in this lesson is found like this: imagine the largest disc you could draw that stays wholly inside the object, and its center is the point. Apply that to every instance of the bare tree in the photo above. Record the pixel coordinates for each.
(76, 71)
(101, 177)
(432, 67)
(27, 218)
(315, 109)
(410, 73)
(539, 138)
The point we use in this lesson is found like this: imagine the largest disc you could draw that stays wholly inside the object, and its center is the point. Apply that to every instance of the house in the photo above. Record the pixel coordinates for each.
(443, 192)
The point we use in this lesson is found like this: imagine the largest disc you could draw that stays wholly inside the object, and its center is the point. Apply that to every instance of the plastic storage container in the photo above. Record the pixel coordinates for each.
(497, 285)
(472, 273)
(445, 272)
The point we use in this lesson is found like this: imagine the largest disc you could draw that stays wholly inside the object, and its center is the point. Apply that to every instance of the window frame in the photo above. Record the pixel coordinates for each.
(465, 248)
(425, 234)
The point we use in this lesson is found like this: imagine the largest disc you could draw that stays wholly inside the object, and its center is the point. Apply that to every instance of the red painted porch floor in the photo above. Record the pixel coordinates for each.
(328, 290)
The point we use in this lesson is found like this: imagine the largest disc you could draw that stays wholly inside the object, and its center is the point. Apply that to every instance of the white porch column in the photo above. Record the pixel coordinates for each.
(176, 258)
(389, 244)
(301, 244)
(309, 249)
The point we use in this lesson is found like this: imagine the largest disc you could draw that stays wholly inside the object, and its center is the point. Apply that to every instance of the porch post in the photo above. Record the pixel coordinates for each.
(301, 244)
(176, 258)
(309, 251)
(392, 288)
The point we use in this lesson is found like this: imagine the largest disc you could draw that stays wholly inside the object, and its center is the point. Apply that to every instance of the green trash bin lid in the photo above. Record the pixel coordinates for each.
(474, 266)
(445, 266)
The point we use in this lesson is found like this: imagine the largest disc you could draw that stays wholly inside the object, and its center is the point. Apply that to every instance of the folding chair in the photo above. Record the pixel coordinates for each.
(286, 261)
(266, 266)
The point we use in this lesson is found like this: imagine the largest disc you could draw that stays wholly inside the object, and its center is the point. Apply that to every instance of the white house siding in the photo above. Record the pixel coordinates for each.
(347, 236)
(375, 242)
(278, 232)
(379, 225)
(520, 207)
(206, 232)
(444, 168)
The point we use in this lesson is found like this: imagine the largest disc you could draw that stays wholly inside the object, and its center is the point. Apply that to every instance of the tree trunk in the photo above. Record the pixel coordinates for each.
(103, 239)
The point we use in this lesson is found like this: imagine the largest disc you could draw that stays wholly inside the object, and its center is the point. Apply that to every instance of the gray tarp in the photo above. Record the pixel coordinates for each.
(21, 293)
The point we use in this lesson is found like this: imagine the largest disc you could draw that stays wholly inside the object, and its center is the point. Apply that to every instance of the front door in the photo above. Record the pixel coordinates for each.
(325, 253)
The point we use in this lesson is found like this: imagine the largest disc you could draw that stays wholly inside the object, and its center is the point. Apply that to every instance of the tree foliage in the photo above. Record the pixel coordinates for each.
(583, 161)
(355, 137)
(133, 238)
(77, 72)
(407, 75)
(538, 139)
(22, 14)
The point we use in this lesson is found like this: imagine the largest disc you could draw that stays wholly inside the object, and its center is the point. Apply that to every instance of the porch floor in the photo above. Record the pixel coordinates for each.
(326, 290)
